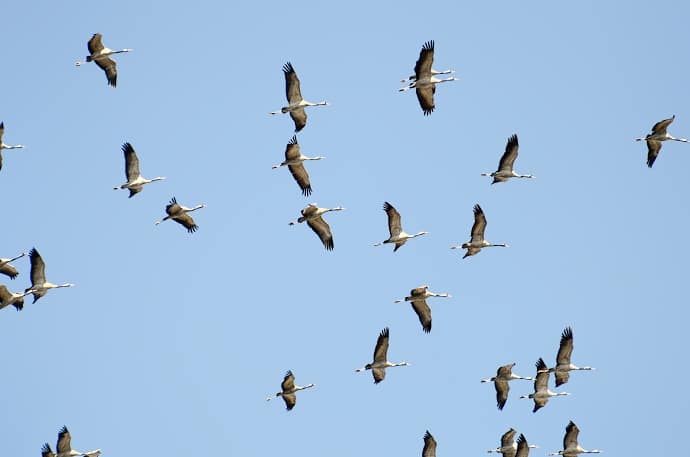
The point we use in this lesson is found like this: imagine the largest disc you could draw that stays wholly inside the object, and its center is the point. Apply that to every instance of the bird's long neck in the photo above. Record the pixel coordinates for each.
(488, 379)
(432, 294)
(158, 178)
(314, 158)
(418, 234)
(304, 387)
(526, 176)
(15, 258)
(677, 139)
(335, 209)
(195, 208)
(121, 51)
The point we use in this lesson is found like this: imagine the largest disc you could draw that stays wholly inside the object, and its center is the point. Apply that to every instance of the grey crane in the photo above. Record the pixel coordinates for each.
(312, 214)
(100, 55)
(39, 285)
(563, 366)
(397, 235)
(655, 138)
(294, 161)
(135, 182)
(477, 241)
(504, 375)
(505, 165)
(380, 363)
(288, 390)
(179, 214)
(10, 270)
(8, 298)
(6, 146)
(509, 447)
(424, 81)
(571, 448)
(418, 298)
(64, 447)
(542, 393)
(296, 103)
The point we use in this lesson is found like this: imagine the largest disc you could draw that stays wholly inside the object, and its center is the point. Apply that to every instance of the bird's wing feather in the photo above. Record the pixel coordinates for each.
(425, 95)
(653, 148)
(9, 270)
(292, 90)
(479, 225)
(508, 437)
(110, 67)
(292, 150)
(565, 349)
(38, 269)
(379, 374)
(424, 313)
(131, 162)
(541, 383)
(522, 446)
(661, 126)
(381, 350)
(502, 389)
(301, 177)
(186, 220)
(95, 44)
(288, 382)
(64, 445)
(323, 230)
(570, 437)
(422, 68)
(510, 154)
(429, 445)
(394, 224)
(290, 400)
(299, 117)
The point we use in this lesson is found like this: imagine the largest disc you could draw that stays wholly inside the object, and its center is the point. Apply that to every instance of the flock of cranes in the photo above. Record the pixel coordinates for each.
(424, 82)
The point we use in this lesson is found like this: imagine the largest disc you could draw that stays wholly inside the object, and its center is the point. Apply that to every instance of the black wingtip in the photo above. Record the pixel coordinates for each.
(385, 332)
(306, 191)
(429, 45)
(477, 209)
(193, 228)
(541, 365)
(287, 68)
(293, 140)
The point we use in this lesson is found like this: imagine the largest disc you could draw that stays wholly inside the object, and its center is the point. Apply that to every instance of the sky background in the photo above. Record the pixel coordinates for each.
(170, 341)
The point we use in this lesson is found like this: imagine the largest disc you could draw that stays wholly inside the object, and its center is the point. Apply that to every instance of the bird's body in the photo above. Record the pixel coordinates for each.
(504, 375)
(312, 216)
(296, 103)
(100, 55)
(8, 298)
(563, 366)
(9, 270)
(380, 363)
(477, 241)
(571, 448)
(178, 213)
(39, 285)
(505, 165)
(294, 161)
(135, 182)
(418, 298)
(429, 449)
(424, 81)
(288, 390)
(6, 146)
(397, 235)
(542, 393)
(655, 138)
(64, 447)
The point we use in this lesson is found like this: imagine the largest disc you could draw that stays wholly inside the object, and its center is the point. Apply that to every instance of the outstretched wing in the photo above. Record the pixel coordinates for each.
(570, 437)
(425, 95)
(109, 66)
(38, 270)
(510, 154)
(9, 270)
(508, 437)
(301, 177)
(502, 389)
(394, 225)
(288, 383)
(64, 445)
(299, 117)
(424, 313)
(95, 45)
(422, 68)
(429, 445)
(46, 451)
(323, 230)
(131, 162)
(292, 90)
(653, 148)
(565, 349)
(522, 446)
(381, 350)
(661, 126)
(479, 225)
(290, 400)
(186, 221)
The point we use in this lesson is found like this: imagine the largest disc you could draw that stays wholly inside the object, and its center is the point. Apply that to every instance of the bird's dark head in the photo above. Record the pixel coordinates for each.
(367, 366)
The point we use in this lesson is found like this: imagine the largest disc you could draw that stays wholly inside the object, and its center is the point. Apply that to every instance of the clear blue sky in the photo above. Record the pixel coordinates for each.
(170, 342)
